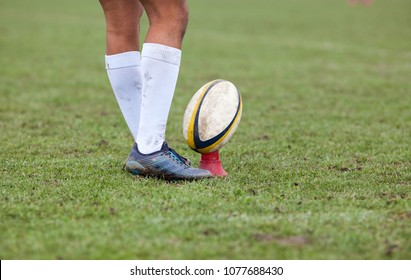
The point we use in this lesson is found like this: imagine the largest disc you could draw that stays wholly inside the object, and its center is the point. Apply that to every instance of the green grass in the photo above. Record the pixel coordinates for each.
(320, 167)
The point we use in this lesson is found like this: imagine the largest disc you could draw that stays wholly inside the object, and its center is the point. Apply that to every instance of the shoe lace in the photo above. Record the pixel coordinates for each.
(180, 158)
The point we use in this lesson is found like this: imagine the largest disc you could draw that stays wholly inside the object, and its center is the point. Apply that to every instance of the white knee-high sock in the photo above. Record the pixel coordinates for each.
(124, 73)
(160, 66)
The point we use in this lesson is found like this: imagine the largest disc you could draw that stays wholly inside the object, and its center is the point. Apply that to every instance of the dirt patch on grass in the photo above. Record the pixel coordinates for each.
(282, 240)
(404, 215)
(345, 168)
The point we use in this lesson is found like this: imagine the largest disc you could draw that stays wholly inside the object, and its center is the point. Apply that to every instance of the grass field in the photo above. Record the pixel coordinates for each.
(320, 167)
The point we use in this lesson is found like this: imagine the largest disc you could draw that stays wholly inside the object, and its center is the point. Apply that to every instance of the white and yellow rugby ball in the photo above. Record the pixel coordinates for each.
(212, 116)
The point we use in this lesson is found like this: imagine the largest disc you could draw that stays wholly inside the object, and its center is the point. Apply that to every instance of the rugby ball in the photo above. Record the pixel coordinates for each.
(212, 116)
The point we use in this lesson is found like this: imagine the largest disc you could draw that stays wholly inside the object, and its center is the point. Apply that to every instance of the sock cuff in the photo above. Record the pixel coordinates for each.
(162, 52)
(123, 60)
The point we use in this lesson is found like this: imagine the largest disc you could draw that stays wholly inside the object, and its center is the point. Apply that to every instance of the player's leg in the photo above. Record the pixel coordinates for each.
(160, 64)
(123, 62)
(168, 21)
(160, 60)
(122, 25)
